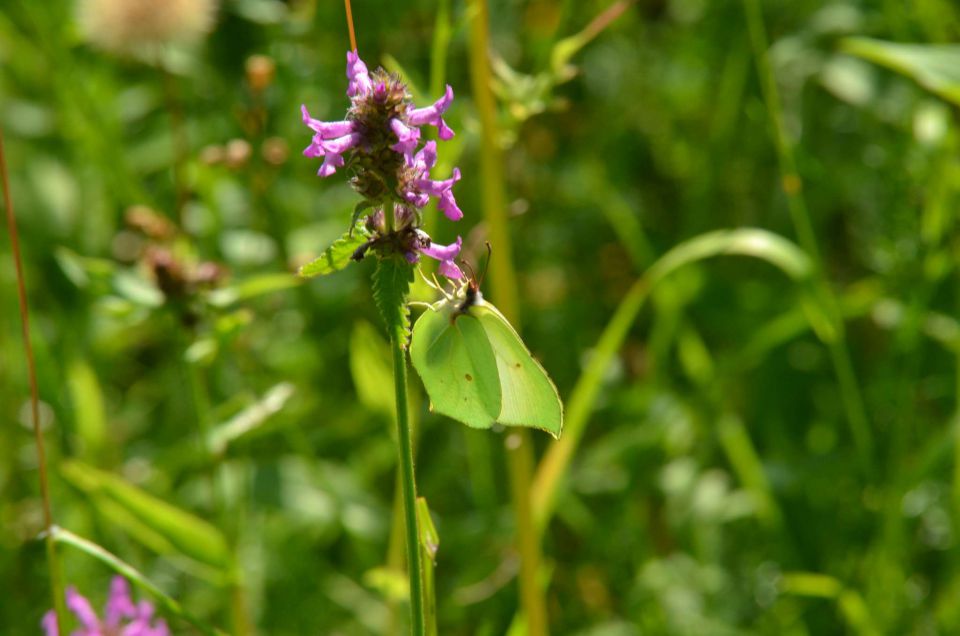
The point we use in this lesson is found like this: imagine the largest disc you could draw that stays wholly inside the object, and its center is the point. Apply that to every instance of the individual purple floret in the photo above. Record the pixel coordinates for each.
(121, 616)
(431, 115)
(359, 79)
(380, 143)
(446, 254)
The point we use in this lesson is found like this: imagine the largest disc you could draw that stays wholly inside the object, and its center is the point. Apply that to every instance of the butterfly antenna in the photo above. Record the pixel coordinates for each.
(472, 272)
(486, 265)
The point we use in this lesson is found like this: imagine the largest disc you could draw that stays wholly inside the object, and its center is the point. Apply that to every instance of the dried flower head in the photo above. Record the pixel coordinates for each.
(121, 616)
(132, 26)
(379, 143)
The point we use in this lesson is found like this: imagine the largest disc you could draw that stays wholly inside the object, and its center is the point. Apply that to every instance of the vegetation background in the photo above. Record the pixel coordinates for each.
(772, 449)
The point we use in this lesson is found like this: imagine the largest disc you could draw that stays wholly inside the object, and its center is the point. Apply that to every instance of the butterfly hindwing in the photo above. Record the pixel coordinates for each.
(528, 396)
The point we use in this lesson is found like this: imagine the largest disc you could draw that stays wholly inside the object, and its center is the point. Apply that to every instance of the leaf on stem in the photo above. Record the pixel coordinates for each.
(391, 285)
(338, 255)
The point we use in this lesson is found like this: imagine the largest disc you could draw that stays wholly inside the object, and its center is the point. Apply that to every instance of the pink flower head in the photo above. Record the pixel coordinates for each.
(389, 167)
(432, 115)
(121, 616)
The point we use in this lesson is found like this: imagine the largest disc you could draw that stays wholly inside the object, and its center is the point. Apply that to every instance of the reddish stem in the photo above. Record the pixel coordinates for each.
(353, 37)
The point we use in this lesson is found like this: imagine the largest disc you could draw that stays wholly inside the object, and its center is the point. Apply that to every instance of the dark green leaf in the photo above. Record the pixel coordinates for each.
(391, 284)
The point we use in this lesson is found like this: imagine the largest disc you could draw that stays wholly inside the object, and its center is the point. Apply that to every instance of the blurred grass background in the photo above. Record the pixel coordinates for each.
(717, 488)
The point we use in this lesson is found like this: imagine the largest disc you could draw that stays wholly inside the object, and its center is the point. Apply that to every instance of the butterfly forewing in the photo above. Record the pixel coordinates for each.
(456, 362)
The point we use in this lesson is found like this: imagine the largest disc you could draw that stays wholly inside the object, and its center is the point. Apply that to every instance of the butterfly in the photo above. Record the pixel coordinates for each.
(476, 368)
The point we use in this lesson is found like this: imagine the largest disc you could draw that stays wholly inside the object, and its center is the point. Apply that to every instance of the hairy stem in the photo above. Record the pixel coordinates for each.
(519, 446)
(409, 486)
(53, 561)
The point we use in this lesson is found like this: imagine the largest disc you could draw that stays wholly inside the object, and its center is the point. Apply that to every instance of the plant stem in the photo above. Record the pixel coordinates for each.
(803, 226)
(353, 37)
(53, 562)
(519, 443)
(405, 448)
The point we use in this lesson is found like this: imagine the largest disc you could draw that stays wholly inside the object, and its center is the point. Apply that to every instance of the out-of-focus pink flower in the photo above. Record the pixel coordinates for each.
(121, 616)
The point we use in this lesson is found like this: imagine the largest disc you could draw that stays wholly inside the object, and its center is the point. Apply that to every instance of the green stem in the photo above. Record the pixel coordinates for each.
(803, 226)
(405, 447)
(53, 562)
(503, 280)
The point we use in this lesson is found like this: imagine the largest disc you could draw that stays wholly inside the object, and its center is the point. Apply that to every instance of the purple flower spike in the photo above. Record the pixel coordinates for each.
(326, 129)
(122, 616)
(407, 137)
(432, 115)
(358, 76)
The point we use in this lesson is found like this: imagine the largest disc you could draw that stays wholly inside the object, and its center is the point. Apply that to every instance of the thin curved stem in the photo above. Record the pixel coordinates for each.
(53, 562)
(792, 185)
(409, 487)
(353, 37)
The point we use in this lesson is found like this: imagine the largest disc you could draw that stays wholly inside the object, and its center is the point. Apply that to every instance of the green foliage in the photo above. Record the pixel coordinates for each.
(187, 533)
(936, 67)
(707, 480)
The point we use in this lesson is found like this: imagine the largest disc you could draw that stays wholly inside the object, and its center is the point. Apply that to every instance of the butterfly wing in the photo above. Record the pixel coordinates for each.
(528, 396)
(456, 362)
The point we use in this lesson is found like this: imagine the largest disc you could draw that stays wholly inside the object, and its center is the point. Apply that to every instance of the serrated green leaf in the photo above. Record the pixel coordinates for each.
(338, 255)
(391, 285)
(191, 535)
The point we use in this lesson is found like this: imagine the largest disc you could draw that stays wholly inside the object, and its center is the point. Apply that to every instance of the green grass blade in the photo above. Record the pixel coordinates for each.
(189, 534)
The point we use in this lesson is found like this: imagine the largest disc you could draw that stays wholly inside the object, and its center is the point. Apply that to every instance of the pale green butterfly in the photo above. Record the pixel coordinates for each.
(477, 370)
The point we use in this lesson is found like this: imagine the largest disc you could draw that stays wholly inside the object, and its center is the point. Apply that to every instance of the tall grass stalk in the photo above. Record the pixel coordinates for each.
(803, 226)
(53, 560)
(503, 280)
